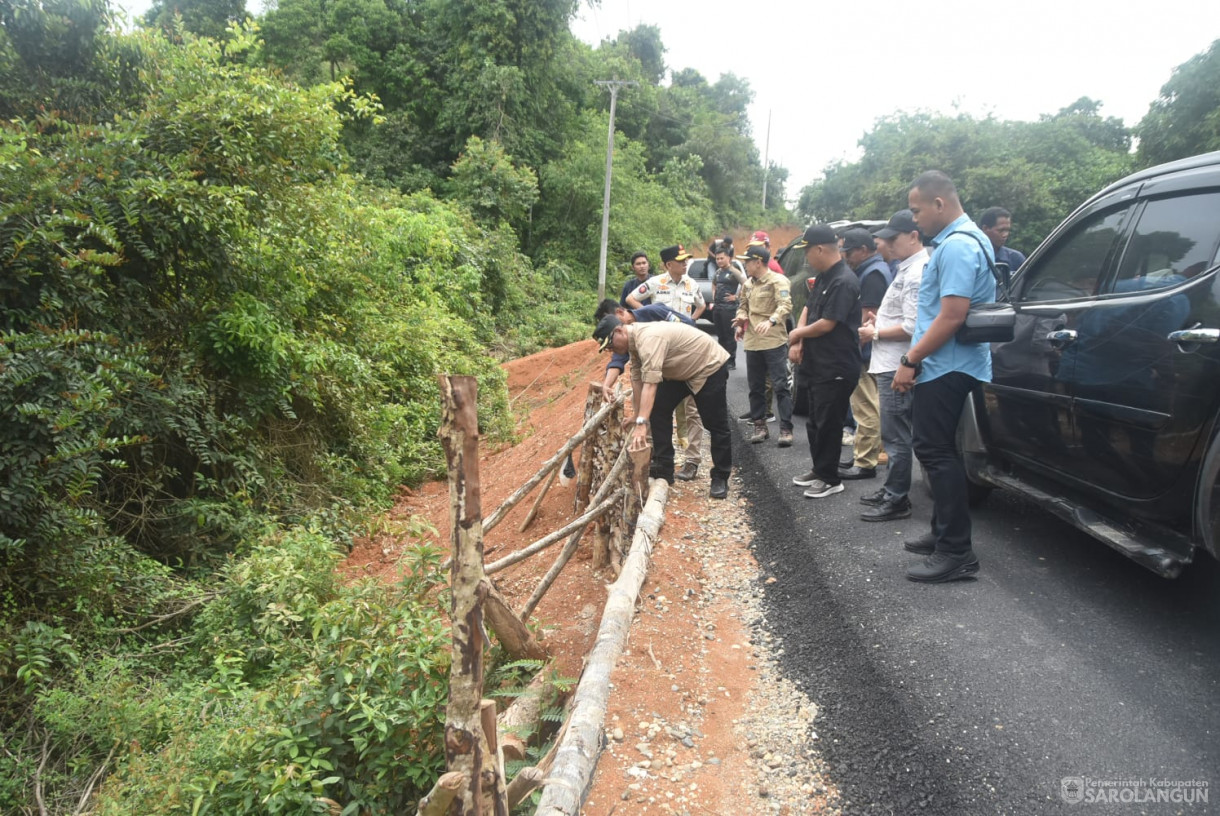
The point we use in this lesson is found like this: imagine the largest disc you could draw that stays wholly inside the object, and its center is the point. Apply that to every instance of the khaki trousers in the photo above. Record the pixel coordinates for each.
(866, 408)
(690, 430)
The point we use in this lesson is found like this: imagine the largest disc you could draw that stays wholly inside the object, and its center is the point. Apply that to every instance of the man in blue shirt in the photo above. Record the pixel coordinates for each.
(996, 224)
(943, 371)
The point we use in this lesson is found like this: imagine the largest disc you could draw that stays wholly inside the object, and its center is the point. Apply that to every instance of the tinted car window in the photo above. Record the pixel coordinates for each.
(1073, 265)
(1175, 239)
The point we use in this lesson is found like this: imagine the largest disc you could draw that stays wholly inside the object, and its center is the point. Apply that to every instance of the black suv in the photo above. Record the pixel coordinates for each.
(1103, 408)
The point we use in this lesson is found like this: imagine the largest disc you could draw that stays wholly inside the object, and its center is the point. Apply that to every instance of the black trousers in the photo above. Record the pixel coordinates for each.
(712, 402)
(772, 365)
(936, 410)
(828, 402)
(722, 319)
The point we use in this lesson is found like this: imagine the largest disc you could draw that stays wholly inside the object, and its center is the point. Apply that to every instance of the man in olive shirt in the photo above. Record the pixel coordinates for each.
(670, 362)
(760, 322)
(826, 345)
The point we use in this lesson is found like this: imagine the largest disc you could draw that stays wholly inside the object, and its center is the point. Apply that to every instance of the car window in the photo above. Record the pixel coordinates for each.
(1175, 239)
(1072, 266)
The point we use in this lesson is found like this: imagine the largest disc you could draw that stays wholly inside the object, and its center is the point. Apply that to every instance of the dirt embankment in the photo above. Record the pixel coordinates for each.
(700, 721)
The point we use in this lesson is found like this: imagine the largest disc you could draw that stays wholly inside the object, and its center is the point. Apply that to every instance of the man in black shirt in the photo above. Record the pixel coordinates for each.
(826, 345)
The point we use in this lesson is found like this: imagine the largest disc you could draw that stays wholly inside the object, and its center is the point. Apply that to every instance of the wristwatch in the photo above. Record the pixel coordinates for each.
(906, 362)
(641, 421)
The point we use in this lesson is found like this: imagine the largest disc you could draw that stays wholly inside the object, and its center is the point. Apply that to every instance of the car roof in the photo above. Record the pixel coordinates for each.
(1201, 160)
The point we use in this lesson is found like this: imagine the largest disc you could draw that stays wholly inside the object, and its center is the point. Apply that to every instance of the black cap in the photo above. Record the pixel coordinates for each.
(818, 234)
(755, 250)
(900, 222)
(674, 253)
(605, 330)
(856, 238)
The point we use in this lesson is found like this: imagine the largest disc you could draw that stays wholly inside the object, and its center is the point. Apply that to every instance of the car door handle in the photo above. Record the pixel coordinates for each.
(1195, 336)
(1061, 337)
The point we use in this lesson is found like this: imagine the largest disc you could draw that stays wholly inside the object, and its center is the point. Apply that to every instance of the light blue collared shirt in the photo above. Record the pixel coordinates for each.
(958, 268)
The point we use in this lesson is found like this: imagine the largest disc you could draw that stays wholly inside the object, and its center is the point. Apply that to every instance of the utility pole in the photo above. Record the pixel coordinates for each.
(614, 85)
(766, 165)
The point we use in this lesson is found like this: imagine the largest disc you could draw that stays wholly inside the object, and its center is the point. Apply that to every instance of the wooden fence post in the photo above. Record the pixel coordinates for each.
(466, 749)
(584, 471)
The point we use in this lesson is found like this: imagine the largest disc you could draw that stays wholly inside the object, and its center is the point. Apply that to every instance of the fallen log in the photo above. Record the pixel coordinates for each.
(524, 783)
(437, 802)
(514, 636)
(577, 754)
(524, 714)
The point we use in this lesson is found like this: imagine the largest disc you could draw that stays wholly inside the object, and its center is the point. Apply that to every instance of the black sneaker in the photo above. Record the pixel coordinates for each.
(719, 489)
(876, 498)
(745, 417)
(924, 545)
(889, 510)
(856, 472)
(939, 568)
(770, 417)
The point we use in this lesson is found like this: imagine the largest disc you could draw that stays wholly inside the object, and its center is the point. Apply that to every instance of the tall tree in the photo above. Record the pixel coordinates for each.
(1185, 118)
(207, 18)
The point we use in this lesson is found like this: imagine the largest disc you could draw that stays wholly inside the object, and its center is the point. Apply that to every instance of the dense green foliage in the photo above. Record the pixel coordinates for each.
(218, 355)
(1185, 118)
(1038, 170)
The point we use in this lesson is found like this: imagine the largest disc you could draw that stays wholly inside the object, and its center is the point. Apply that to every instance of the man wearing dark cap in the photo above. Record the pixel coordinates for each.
(860, 252)
(890, 335)
(671, 362)
(652, 313)
(677, 290)
(826, 345)
(943, 371)
(761, 324)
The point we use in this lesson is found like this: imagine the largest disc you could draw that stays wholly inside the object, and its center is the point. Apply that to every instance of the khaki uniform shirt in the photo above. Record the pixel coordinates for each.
(672, 351)
(683, 296)
(765, 297)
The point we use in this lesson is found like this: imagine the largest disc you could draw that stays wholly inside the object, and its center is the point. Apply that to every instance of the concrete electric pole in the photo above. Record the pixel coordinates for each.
(614, 85)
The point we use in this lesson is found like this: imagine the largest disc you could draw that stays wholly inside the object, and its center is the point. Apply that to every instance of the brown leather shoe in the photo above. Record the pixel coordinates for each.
(688, 471)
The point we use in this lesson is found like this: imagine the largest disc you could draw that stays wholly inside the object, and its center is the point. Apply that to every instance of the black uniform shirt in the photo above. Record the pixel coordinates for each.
(835, 296)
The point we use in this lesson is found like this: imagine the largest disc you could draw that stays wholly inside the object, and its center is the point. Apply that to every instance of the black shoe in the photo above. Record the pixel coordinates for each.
(924, 545)
(770, 417)
(720, 488)
(732, 366)
(874, 499)
(844, 464)
(688, 472)
(745, 417)
(888, 511)
(940, 567)
(805, 479)
(858, 473)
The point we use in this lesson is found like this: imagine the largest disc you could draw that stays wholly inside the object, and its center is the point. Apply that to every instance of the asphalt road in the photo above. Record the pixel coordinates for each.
(1062, 661)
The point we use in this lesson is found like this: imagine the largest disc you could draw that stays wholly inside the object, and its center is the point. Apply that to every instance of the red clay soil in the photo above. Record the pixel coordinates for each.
(664, 667)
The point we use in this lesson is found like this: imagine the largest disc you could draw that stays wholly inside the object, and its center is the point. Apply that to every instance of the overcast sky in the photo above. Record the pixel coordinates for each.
(826, 72)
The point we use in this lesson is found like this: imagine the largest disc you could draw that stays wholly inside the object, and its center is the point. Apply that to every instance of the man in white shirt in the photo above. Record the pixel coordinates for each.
(890, 333)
